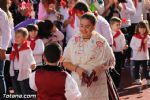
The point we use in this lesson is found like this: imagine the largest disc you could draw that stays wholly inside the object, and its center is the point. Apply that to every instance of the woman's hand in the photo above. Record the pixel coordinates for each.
(99, 70)
(80, 71)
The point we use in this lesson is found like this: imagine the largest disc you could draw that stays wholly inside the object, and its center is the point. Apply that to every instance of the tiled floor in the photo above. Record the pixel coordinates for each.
(129, 91)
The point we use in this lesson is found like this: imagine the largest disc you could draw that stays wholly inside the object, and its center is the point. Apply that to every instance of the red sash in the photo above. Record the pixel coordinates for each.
(136, 3)
(115, 36)
(72, 13)
(15, 54)
(32, 43)
(63, 3)
(143, 45)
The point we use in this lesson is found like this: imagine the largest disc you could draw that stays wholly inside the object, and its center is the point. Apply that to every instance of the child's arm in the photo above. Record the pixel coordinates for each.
(31, 60)
(123, 42)
(71, 88)
(39, 49)
(32, 81)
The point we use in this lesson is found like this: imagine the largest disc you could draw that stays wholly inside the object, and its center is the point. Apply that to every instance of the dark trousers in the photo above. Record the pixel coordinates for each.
(6, 72)
(21, 87)
(144, 64)
(2, 79)
(118, 66)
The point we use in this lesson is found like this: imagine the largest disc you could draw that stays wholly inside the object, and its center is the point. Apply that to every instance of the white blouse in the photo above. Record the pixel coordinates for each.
(71, 88)
(138, 13)
(104, 29)
(135, 45)
(38, 51)
(5, 31)
(127, 12)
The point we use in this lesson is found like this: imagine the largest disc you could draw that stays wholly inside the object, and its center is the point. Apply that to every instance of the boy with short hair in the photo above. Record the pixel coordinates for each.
(22, 62)
(119, 44)
(51, 82)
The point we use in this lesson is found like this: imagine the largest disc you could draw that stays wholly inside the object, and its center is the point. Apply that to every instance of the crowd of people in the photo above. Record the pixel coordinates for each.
(72, 49)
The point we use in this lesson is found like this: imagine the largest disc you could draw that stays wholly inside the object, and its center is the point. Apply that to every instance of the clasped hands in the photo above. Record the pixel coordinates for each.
(89, 79)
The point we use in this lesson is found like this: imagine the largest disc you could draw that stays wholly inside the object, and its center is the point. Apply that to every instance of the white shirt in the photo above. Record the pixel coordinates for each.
(71, 88)
(24, 63)
(120, 43)
(127, 13)
(138, 13)
(64, 12)
(38, 51)
(135, 45)
(5, 31)
(42, 14)
(102, 27)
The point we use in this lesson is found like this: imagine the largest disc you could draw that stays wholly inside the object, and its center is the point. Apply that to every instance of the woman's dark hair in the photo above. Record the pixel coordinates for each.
(53, 52)
(32, 27)
(45, 28)
(142, 24)
(82, 7)
(90, 17)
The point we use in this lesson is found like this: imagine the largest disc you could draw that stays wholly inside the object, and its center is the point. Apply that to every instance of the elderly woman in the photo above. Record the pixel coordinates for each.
(88, 55)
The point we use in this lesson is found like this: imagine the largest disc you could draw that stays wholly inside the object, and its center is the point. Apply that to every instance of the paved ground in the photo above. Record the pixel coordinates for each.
(129, 91)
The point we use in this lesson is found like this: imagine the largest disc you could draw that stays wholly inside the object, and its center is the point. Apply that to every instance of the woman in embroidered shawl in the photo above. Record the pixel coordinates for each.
(88, 54)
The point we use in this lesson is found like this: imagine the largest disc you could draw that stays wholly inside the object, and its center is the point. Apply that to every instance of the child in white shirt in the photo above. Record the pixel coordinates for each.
(36, 44)
(119, 44)
(51, 82)
(22, 62)
(139, 45)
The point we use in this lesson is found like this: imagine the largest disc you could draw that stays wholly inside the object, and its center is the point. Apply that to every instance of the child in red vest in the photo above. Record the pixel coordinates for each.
(51, 82)
(139, 44)
(36, 44)
(22, 62)
(118, 46)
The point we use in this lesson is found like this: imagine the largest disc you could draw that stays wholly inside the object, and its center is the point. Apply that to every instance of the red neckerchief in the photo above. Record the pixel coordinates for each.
(72, 13)
(143, 46)
(15, 54)
(32, 43)
(115, 36)
(136, 3)
(63, 3)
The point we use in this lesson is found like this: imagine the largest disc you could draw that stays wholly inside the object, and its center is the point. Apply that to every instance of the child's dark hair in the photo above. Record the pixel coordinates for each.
(53, 52)
(114, 20)
(142, 24)
(32, 27)
(45, 28)
(23, 31)
(90, 17)
(82, 7)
